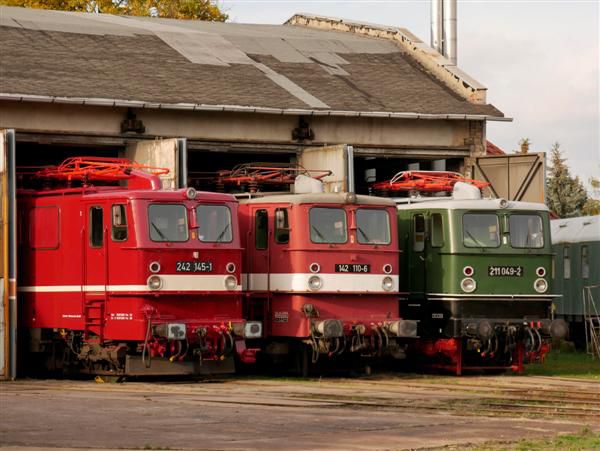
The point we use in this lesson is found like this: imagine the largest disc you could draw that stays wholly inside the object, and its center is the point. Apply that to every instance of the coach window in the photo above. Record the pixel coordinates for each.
(119, 223)
(437, 230)
(282, 227)
(585, 263)
(261, 229)
(566, 263)
(96, 227)
(419, 233)
(168, 222)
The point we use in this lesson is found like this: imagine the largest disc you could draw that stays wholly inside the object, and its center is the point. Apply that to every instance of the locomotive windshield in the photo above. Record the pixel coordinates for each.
(168, 222)
(214, 224)
(481, 230)
(372, 226)
(526, 231)
(328, 225)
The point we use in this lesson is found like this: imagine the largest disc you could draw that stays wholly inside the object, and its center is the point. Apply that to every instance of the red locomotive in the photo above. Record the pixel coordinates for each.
(131, 279)
(321, 272)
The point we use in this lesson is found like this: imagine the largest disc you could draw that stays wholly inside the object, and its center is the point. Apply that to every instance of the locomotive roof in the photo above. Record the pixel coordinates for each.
(448, 203)
(319, 198)
(575, 230)
(103, 192)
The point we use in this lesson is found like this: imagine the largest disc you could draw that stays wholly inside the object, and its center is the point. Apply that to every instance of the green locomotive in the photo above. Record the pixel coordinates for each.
(477, 274)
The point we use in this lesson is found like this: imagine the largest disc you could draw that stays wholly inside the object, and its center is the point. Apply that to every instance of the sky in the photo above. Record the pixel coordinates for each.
(540, 61)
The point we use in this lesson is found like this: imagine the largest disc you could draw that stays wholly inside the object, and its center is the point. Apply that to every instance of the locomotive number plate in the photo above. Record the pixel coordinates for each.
(194, 267)
(341, 267)
(505, 271)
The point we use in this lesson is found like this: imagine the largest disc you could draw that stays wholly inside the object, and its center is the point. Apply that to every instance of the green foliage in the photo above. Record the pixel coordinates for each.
(566, 364)
(566, 195)
(592, 206)
(176, 9)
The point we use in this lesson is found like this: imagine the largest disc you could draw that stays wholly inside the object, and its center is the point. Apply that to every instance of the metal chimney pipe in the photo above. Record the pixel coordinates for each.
(436, 26)
(449, 30)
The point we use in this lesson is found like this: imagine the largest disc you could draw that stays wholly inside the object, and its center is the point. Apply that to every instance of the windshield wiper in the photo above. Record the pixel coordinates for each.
(162, 235)
(222, 233)
(320, 234)
(362, 232)
(474, 239)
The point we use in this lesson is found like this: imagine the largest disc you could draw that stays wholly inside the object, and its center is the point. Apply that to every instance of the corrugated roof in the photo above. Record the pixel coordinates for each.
(576, 230)
(54, 54)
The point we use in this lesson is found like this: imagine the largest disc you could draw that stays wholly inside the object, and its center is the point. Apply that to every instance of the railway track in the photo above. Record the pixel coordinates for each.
(488, 396)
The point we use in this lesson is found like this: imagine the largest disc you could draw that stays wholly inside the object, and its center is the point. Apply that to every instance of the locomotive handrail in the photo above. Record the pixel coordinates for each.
(427, 181)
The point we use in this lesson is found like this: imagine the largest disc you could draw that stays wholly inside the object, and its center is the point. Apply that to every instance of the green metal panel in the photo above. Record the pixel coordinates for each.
(571, 303)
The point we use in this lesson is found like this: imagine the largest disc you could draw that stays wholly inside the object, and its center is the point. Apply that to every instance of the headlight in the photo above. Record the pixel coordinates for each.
(468, 285)
(253, 329)
(154, 267)
(540, 285)
(314, 267)
(387, 268)
(230, 267)
(468, 271)
(191, 193)
(230, 282)
(315, 283)
(387, 284)
(155, 283)
(329, 328)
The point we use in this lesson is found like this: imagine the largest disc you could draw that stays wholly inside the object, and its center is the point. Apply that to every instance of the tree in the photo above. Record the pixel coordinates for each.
(566, 195)
(524, 144)
(176, 9)
(592, 206)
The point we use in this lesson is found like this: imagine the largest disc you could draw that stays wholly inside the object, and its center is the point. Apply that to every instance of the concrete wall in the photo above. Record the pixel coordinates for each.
(260, 128)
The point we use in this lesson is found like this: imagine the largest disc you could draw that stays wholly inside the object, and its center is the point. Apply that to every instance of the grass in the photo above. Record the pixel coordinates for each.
(583, 440)
(566, 364)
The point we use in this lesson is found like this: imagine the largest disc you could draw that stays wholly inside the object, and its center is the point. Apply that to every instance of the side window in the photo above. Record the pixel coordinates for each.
(585, 262)
(566, 263)
(437, 230)
(119, 223)
(96, 227)
(282, 228)
(44, 228)
(418, 233)
(261, 229)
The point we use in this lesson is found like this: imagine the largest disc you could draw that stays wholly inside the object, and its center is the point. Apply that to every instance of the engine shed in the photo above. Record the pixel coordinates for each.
(362, 100)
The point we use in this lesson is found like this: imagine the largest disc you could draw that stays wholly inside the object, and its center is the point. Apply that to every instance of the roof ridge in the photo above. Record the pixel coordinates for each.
(439, 66)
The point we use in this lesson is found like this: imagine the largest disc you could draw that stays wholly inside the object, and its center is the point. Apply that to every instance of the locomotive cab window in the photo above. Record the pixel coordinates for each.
(168, 222)
(526, 231)
(96, 227)
(419, 233)
(328, 225)
(372, 226)
(585, 263)
(566, 263)
(119, 223)
(261, 229)
(481, 230)
(214, 224)
(437, 230)
(282, 227)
